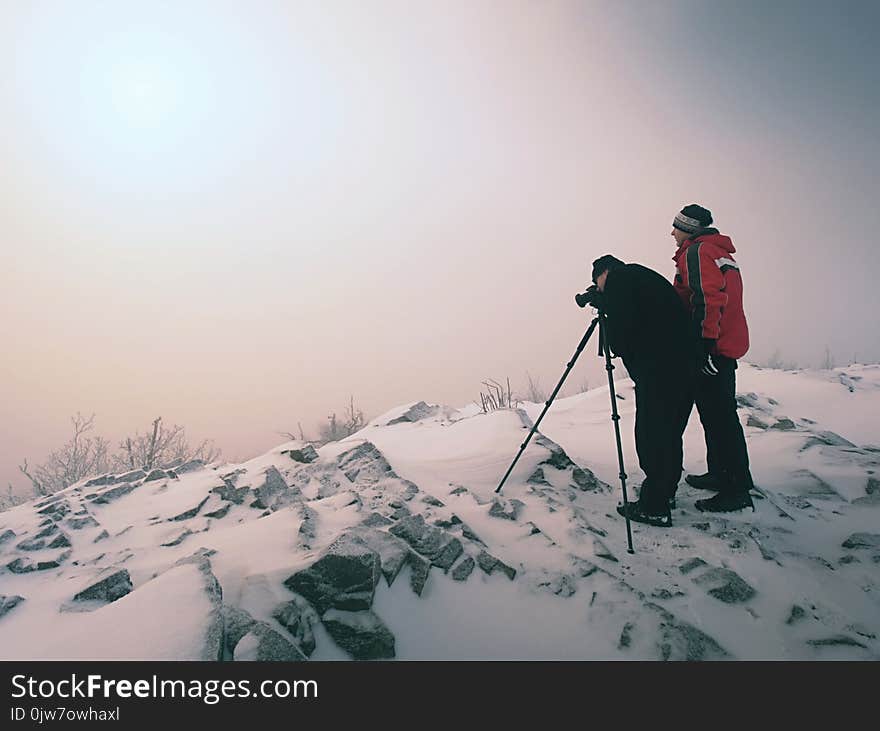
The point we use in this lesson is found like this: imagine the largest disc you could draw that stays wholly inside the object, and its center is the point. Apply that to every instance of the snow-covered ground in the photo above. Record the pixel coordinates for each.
(393, 543)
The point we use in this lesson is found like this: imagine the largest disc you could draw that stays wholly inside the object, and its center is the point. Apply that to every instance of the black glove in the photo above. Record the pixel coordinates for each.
(706, 364)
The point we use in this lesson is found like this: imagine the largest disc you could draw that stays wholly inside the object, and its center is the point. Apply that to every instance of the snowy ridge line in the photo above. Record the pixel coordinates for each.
(392, 543)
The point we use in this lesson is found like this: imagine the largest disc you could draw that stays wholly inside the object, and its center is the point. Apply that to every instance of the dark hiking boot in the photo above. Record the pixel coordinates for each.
(638, 514)
(706, 481)
(725, 502)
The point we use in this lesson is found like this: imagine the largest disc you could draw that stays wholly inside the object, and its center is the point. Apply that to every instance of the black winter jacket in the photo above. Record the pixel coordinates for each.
(648, 325)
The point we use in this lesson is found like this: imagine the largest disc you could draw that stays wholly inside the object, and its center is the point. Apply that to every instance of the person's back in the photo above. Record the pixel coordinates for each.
(647, 324)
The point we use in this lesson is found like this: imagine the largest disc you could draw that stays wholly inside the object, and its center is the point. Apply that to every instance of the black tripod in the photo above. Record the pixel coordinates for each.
(615, 417)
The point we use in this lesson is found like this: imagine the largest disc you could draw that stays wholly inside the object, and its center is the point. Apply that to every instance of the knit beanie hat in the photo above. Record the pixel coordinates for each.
(605, 263)
(692, 219)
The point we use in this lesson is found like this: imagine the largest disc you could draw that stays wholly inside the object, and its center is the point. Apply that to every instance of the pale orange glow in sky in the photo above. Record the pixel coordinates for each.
(234, 216)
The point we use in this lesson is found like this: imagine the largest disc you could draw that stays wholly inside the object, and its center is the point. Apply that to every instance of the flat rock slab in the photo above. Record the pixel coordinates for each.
(432, 542)
(464, 569)
(177, 541)
(192, 512)
(862, 540)
(725, 585)
(414, 413)
(79, 523)
(420, 569)
(506, 509)
(488, 563)
(8, 603)
(361, 634)
(264, 644)
(6, 535)
(345, 577)
(365, 464)
(114, 493)
(24, 566)
(298, 618)
(231, 493)
(304, 455)
(393, 552)
(109, 589)
(679, 640)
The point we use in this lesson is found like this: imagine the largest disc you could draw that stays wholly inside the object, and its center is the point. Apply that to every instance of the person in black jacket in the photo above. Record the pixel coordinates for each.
(648, 327)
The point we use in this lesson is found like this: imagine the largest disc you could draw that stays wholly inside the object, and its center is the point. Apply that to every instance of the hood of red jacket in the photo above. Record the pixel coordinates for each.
(715, 239)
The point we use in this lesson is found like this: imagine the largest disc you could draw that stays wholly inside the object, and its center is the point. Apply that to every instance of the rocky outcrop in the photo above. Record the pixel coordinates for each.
(84, 522)
(191, 513)
(416, 412)
(506, 509)
(298, 618)
(272, 488)
(8, 603)
(463, 570)
(25, 566)
(435, 544)
(304, 455)
(862, 540)
(113, 493)
(488, 563)
(108, 589)
(345, 577)
(361, 634)
(365, 464)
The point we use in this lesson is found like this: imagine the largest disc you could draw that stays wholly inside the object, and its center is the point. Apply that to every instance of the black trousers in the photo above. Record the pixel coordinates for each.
(726, 451)
(664, 399)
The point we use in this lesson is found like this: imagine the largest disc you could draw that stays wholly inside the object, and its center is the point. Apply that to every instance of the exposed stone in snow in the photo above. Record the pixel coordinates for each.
(84, 522)
(862, 540)
(298, 618)
(463, 570)
(416, 412)
(8, 603)
(361, 634)
(305, 455)
(345, 577)
(489, 564)
(113, 493)
(108, 589)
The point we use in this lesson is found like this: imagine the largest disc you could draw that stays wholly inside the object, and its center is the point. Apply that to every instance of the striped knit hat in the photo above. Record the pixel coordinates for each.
(692, 219)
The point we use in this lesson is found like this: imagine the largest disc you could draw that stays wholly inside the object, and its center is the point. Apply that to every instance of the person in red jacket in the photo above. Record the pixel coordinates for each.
(709, 283)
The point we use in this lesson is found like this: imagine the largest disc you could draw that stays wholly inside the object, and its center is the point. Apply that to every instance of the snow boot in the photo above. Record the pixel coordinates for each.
(706, 481)
(638, 514)
(725, 502)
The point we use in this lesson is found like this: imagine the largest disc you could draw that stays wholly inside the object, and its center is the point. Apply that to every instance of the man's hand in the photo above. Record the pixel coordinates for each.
(707, 365)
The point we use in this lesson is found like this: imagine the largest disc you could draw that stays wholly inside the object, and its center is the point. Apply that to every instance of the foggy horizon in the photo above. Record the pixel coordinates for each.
(235, 219)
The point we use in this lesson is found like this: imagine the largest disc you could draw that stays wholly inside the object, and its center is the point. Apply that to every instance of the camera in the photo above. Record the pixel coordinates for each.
(592, 297)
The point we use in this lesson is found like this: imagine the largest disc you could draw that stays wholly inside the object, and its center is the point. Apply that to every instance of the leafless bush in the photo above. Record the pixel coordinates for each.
(775, 361)
(534, 392)
(80, 457)
(827, 360)
(336, 429)
(85, 456)
(162, 447)
(495, 396)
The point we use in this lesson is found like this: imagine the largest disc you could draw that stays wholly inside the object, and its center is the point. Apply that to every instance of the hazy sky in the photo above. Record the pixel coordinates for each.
(234, 215)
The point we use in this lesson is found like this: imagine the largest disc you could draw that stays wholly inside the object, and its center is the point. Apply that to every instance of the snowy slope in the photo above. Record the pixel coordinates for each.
(393, 543)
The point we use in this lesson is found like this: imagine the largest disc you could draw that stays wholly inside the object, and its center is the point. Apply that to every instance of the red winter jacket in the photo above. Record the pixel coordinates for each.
(708, 281)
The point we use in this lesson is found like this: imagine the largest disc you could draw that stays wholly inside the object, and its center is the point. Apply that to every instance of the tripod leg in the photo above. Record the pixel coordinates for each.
(615, 417)
(549, 401)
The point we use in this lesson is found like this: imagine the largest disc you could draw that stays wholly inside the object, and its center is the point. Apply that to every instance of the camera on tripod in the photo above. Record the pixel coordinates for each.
(592, 297)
